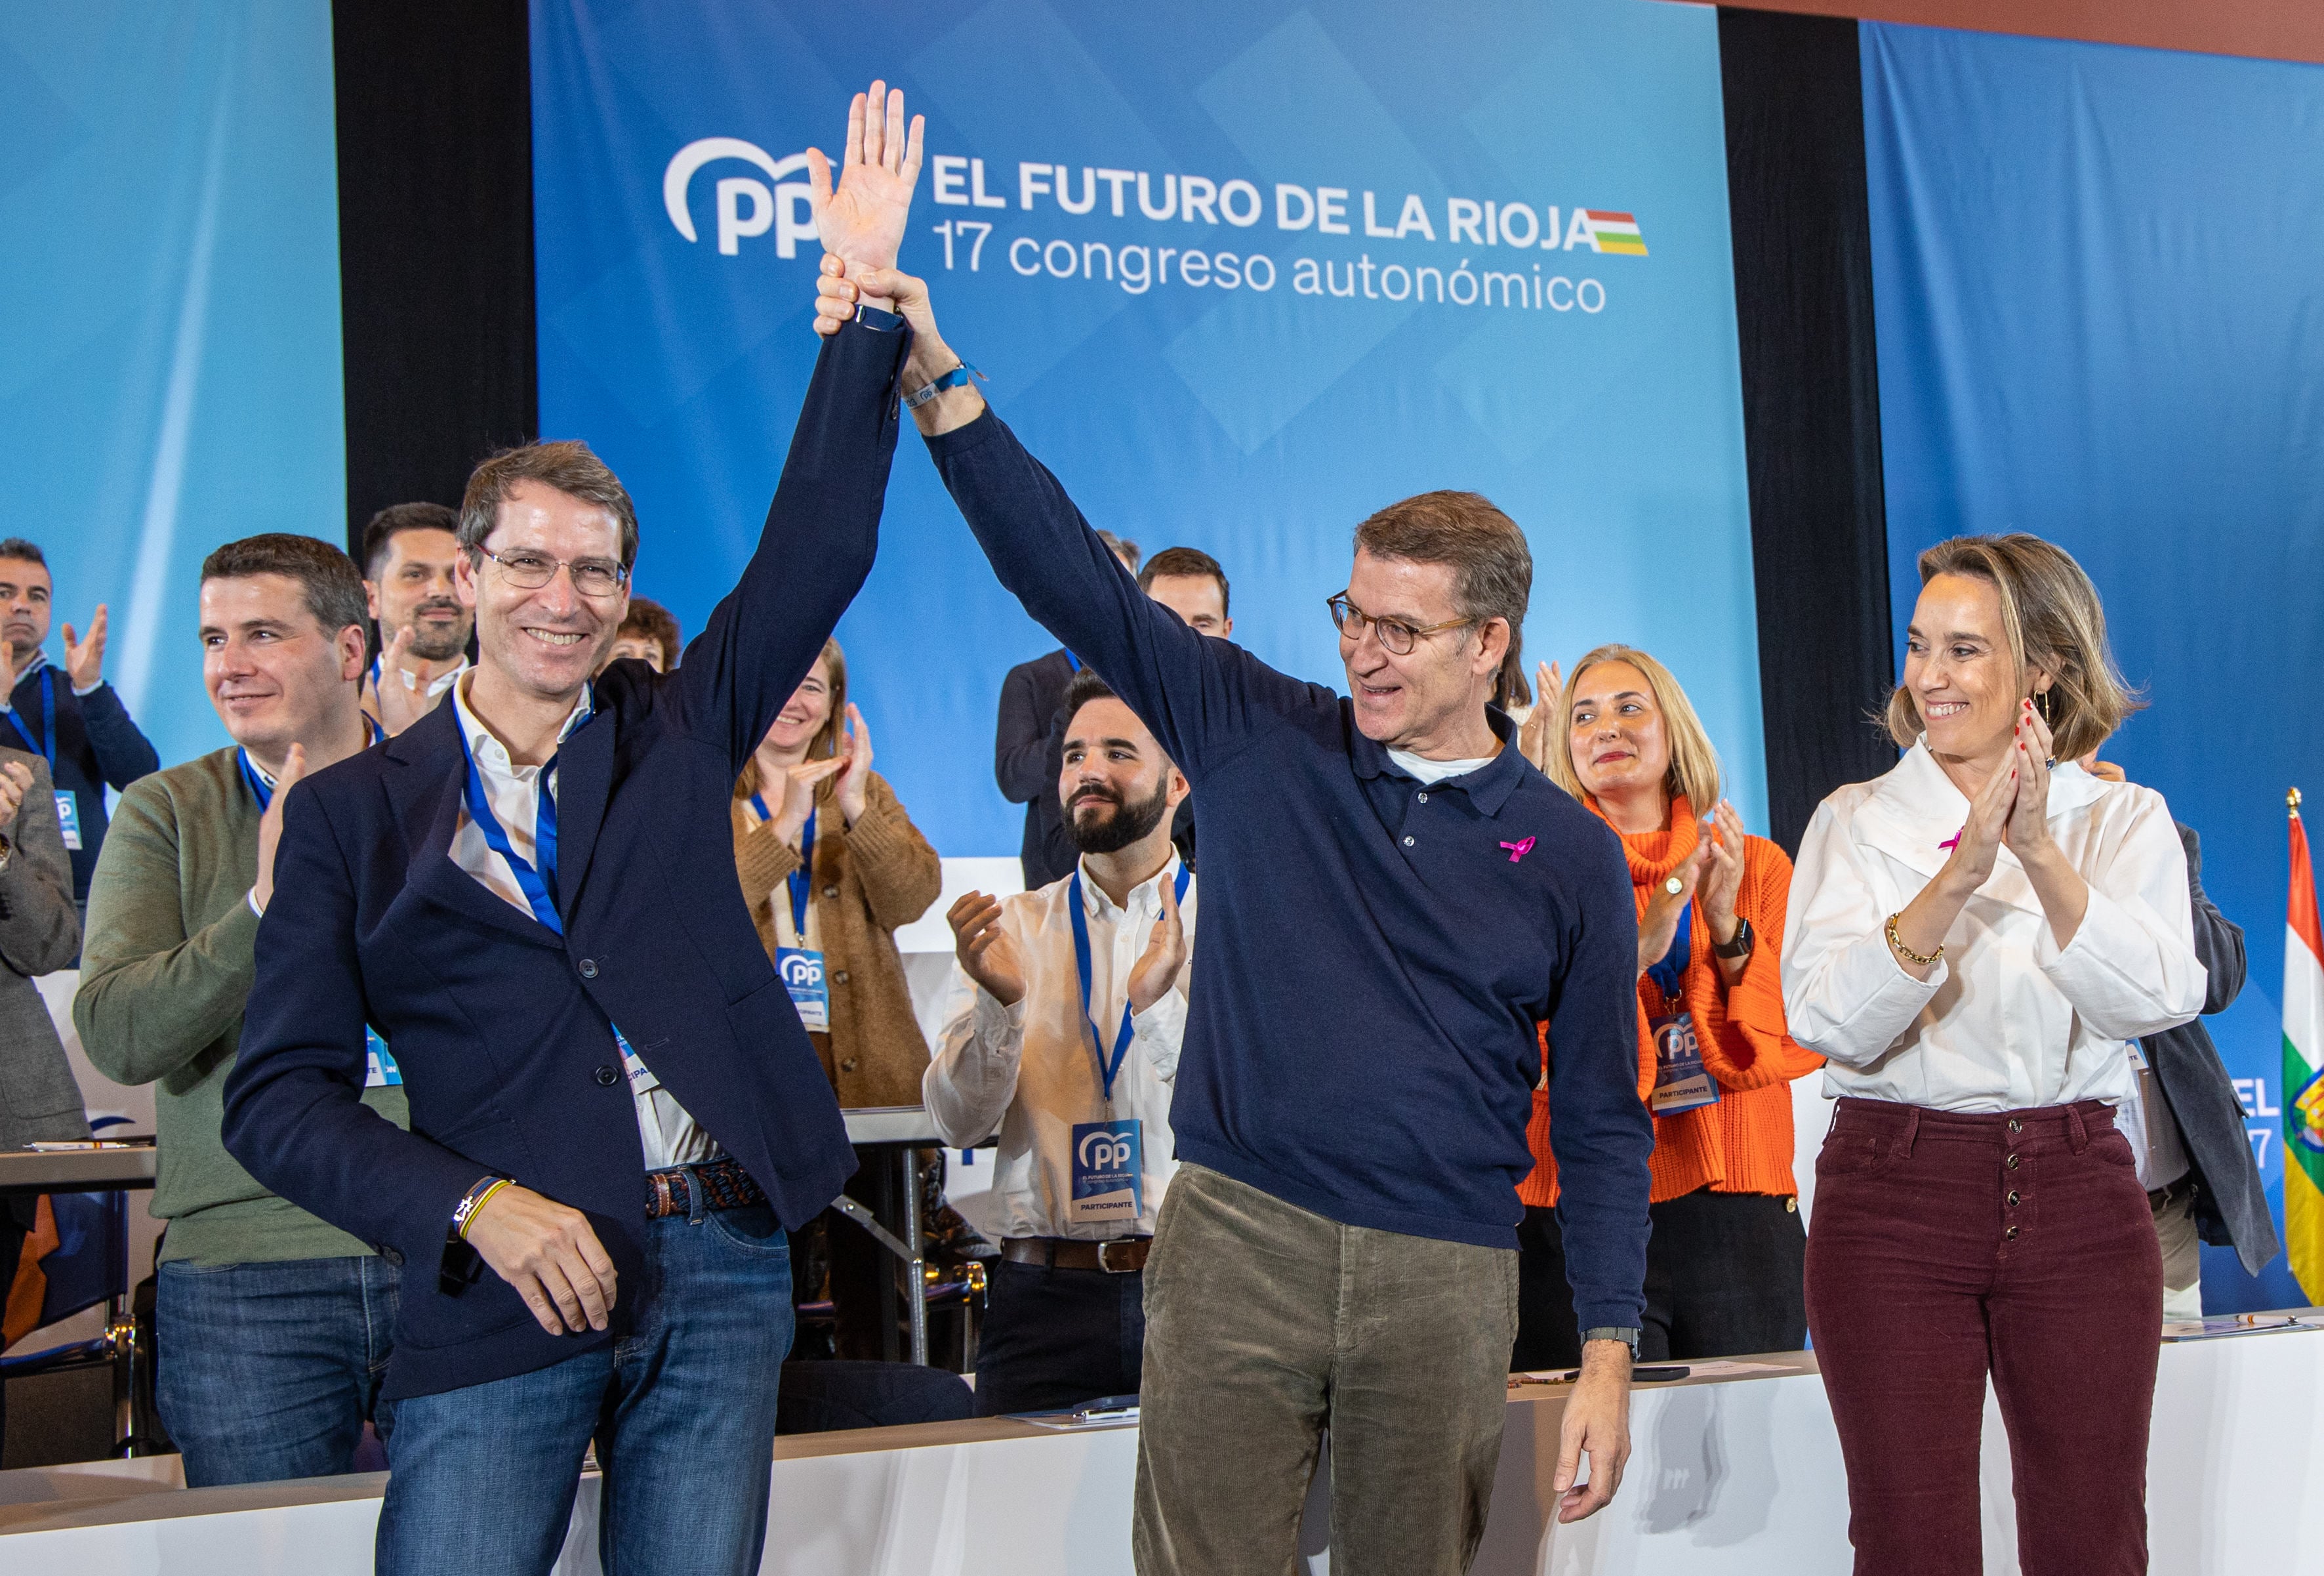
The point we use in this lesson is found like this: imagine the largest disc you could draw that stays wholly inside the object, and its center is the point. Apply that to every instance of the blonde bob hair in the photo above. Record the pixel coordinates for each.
(2052, 619)
(1693, 763)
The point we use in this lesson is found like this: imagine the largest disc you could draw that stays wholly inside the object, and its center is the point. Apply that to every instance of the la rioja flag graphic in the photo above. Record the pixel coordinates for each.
(2303, 1071)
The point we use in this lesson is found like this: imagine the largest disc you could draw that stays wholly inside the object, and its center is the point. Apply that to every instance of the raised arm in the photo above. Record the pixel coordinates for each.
(2218, 940)
(1021, 740)
(40, 928)
(823, 528)
(1202, 697)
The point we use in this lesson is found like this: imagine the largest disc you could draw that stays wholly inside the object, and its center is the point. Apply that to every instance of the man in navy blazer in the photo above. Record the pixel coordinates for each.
(531, 897)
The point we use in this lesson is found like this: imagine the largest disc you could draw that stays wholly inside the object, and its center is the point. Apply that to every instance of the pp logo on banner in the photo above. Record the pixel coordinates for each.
(1106, 1163)
(786, 209)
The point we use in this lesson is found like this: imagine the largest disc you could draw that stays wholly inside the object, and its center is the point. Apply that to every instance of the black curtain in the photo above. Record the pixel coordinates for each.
(435, 133)
(1810, 402)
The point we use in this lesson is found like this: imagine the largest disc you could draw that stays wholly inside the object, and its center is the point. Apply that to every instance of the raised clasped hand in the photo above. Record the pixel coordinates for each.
(862, 221)
(1156, 969)
(987, 953)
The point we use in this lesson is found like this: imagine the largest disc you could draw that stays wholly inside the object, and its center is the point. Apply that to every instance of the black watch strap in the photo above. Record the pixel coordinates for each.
(1740, 947)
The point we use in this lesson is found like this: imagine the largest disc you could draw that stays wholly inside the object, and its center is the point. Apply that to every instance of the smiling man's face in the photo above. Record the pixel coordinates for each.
(549, 639)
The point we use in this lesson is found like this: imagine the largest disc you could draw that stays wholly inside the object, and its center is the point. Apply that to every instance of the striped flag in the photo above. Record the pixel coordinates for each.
(2303, 1069)
(1617, 232)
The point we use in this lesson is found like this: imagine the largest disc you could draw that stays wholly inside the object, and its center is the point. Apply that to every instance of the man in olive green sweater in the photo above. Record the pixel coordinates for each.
(273, 1327)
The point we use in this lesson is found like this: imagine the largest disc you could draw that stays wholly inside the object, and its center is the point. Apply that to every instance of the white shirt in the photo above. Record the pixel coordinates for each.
(1030, 1070)
(1432, 771)
(671, 1136)
(2008, 1019)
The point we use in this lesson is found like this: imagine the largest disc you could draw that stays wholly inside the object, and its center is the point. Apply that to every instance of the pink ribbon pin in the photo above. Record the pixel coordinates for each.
(1949, 841)
(1519, 851)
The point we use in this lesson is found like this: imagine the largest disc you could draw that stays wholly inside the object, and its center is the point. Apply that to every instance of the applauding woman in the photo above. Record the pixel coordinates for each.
(1723, 1265)
(832, 866)
(1974, 937)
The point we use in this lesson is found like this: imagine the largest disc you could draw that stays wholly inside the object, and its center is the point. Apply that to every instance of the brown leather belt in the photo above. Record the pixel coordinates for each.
(1126, 1256)
(724, 1185)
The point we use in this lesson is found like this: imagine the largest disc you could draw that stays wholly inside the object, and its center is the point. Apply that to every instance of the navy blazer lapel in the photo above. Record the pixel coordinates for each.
(585, 785)
(426, 794)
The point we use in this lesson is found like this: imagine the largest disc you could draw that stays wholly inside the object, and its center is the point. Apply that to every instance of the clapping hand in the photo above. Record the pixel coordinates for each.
(397, 701)
(863, 221)
(2032, 751)
(799, 784)
(1539, 736)
(1658, 926)
(855, 759)
(986, 950)
(84, 659)
(1156, 969)
(1979, 838)
(15, 781)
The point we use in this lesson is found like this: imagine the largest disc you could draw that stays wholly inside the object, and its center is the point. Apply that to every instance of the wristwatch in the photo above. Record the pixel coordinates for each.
(1740, 947)
(1629, 1337)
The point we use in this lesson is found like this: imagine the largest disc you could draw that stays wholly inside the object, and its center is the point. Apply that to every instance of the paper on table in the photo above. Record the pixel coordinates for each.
(2223, 1324)
(1076, 1423)
(1715, 1368)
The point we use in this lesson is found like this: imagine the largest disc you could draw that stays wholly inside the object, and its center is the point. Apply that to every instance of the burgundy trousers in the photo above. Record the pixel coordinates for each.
(1945, 1248)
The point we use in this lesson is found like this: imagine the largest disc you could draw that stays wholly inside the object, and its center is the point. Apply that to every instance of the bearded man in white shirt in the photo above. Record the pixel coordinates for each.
(1068, 1009)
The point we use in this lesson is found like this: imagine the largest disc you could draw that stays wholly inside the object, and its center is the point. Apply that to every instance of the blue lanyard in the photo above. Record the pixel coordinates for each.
(1073, 662)
(47, 744)
(1670, 974)
(258, 788)
(539, 885)
(1106, 1072)
(802, 880)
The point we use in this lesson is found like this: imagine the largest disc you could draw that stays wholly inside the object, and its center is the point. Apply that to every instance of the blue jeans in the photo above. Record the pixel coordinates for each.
(683, 1410)
(267, 1371)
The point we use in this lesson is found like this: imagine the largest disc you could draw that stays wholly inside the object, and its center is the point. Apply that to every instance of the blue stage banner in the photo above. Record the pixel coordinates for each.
(169, 373)
(1239, 273)
(2101, 319)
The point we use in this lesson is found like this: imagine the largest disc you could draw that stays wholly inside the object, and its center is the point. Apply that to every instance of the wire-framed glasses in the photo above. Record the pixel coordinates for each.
(529, 570)
(1397, 638)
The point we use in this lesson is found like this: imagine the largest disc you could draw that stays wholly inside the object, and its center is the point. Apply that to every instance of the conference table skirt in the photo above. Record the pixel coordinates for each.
(1947, 1246)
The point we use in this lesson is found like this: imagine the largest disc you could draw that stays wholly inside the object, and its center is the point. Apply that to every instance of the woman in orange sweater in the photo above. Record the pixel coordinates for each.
(1715, 1062)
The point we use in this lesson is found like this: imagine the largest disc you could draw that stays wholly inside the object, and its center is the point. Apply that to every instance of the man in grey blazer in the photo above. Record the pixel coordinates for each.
(40, 932)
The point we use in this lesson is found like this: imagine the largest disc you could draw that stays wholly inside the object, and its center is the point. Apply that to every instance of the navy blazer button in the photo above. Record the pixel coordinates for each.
(608, 1077)
(588, 969)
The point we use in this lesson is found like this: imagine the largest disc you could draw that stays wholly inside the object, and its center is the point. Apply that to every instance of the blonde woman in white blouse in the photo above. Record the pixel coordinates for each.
(1974, 937)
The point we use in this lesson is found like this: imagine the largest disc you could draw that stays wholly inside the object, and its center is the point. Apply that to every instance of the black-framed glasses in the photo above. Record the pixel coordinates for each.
(527, 570)
(1397, 638)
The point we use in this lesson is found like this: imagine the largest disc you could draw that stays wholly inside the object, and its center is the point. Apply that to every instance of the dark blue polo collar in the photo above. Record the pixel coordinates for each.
(1489, 787)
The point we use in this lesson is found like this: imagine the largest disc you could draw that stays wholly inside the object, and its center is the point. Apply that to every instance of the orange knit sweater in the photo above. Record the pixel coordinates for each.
(1742, 1145)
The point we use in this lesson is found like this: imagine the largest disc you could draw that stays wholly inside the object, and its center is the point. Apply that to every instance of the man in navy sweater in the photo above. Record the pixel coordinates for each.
(1393, 899)
(529, 895)
(80, 725)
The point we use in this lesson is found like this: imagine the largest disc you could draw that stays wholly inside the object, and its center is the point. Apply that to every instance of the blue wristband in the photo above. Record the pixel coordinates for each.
(952, 379)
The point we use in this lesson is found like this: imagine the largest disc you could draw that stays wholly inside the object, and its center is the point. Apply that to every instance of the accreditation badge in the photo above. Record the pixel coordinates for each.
(68, 818)
(1107, 1162)
(1682, 1082)
(380, 1070)
(640, 1076)
(801, 968)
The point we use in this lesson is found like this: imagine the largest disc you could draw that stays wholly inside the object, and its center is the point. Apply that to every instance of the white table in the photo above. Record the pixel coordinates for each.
(1732, 1478)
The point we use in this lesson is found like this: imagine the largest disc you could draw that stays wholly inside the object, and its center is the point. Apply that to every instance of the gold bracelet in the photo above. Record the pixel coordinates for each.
(1918, 958)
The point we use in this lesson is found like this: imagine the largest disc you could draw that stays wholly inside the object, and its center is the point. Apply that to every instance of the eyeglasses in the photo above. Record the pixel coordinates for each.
(527, 570)
(1395, 637)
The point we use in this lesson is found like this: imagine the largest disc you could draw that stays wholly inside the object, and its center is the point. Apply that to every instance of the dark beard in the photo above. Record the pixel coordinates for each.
(430, 648)
(1125, 825)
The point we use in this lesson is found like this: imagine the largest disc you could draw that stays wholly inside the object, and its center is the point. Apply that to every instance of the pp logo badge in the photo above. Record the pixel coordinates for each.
(1106, 1161)
(801, 971)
